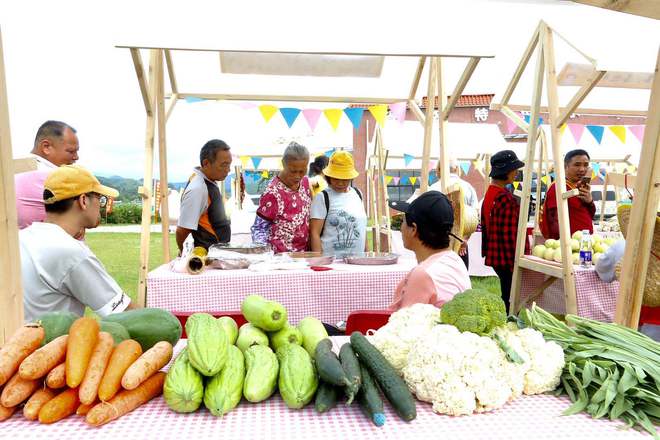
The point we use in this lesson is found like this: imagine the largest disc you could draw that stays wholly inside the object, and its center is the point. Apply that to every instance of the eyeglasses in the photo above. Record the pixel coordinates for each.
(103, 200)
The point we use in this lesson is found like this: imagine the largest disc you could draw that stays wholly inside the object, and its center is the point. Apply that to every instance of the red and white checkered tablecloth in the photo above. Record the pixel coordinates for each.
(330, 296)
(595, 298)
(528, 417)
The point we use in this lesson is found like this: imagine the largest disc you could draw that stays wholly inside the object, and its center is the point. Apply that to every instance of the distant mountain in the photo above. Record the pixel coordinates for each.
(128, 188)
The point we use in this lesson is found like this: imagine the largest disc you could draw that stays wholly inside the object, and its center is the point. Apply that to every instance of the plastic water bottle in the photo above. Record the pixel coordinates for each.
(585, 249)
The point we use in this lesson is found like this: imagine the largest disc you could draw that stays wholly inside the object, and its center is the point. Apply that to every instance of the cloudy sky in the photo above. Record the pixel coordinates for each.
(61, 61)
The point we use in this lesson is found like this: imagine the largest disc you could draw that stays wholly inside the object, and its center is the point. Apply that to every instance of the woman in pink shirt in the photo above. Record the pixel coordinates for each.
(440, 273)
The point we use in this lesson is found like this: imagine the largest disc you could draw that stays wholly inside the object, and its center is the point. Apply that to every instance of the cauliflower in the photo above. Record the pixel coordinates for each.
(476, 311)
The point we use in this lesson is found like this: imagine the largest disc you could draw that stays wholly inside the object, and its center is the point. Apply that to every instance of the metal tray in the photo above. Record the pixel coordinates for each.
(312, 258)
(249, 248)
(372, 258)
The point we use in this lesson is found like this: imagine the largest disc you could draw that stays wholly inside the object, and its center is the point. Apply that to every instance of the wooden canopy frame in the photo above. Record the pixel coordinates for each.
(151, 86)
(648, 188)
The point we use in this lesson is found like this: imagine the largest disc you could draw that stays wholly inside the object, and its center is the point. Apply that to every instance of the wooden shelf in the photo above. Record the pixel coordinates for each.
(538, 265)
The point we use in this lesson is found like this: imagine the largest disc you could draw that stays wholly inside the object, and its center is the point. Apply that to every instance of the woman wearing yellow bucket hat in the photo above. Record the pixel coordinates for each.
(338, 222)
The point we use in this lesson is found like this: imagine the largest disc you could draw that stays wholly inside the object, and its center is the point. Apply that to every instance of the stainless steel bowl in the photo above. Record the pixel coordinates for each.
(372, 258)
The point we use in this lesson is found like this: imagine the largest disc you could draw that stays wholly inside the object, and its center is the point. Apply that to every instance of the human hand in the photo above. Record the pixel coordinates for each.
(585, 193)
(462, 251)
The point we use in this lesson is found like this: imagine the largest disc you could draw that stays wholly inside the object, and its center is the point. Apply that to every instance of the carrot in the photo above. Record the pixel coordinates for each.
(97, 364)
(26, 339)
(83, 409)
(60, 406)
(6, 413)
(83, 334)
(38, 399)
(151, 361)
(126, 401)
(17, 390)
(39, 363)
(122, 357)
(56, 378)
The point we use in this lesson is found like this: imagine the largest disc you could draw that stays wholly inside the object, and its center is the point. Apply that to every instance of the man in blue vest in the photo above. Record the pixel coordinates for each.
(202, 207)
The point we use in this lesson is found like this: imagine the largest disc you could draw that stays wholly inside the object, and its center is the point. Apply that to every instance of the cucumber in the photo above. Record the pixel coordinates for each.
(148, 326)
(56, 324)
(369, 399)
(260, 312)
(328, 364)
(326, 397)
(390, 382)
(351, 366)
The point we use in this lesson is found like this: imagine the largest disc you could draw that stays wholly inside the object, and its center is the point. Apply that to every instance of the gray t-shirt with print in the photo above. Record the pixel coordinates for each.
(345, 226)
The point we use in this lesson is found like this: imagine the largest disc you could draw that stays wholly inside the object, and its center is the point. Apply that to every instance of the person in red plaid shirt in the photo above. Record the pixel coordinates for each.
(499, 219)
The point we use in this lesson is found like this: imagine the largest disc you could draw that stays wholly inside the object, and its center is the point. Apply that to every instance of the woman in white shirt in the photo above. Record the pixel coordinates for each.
(338, 221)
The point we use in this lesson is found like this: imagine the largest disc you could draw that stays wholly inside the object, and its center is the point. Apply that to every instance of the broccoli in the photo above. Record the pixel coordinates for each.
(478, 311)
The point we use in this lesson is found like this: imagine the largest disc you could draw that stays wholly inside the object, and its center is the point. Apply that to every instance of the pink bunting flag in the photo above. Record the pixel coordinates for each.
(432, 165)
(576, 131)
(396, 180)
(510, 126)
(312, 117)
(638, 131)
(398, 110)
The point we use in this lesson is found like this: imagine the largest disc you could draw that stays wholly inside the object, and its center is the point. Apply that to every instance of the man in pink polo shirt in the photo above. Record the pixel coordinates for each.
(440, 273)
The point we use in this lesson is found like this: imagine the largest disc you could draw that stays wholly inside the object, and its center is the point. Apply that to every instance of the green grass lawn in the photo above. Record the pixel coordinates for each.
(120, 254)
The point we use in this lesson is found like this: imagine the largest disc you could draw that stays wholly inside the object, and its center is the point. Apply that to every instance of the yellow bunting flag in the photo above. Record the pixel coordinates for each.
(388, 179)
(267, 111)
(619, 131)
(245, 160)
(593, 174)
(413, 180)
(379, 112)
(562, 129)
(544, 179)
(264, 174)
(516, 185)
(333, 115)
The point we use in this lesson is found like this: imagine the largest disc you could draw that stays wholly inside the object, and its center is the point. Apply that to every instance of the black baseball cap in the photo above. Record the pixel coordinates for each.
(430, 209)
(504, 161)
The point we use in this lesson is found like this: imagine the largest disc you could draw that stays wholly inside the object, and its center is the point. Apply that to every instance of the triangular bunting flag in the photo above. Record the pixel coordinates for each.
(562, 129)
(379, 112)
(510, 126)
(396, 180)
(193, 99)
(516, 185)
(593, 174)
(596, 131)
(388, 179)
(545, 179)
(407, 158)
(432, 165)
(552, 175)
(576, 130)
(312, 116)
(596, 167)
(638, 131)
(329, 152)
(413, 180)
(244, 160)
(619, 131)
(256, 160)
(355, 115)
(290, 115)
(265, 175)
(398, 110)
(333, 115)
(404, 180)
(527, 118)
(465, 166)
(267, 111)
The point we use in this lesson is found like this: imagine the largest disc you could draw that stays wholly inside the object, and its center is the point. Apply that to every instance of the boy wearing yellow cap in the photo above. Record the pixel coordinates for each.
(338, 220)
(60, 273)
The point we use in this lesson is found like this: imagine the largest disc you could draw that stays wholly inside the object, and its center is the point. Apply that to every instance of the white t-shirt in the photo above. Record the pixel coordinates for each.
(61, 273)
(345, 226)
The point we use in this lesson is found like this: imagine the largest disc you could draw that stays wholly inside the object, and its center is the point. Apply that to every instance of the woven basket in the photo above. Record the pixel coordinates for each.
(652, 288)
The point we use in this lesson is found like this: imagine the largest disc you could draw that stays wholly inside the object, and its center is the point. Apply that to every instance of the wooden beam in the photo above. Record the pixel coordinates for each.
(173, 100)
(460, 86)
(418, 75)
(442, 133)
(147, 197)
(162, 160)
(428, 122)
(521, 66)
(144, 87)
(417, 112)
(579, 96)
(644, 8)
(545, 267)
(170, 71)
(639, 236)
(335, 99)
(570, 193)
(24, 164)
(11, 288)
(581, 111)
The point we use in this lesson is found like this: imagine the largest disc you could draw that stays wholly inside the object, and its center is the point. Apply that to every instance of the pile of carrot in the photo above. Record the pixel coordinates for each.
(82, 373)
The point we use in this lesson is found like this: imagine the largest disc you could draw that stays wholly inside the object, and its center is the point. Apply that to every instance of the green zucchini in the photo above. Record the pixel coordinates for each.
(369, 399)
(148, 325)
(351, 366)
(326, 397)
(390, 382)
(56, 324)
(118, 332)
(328, 365)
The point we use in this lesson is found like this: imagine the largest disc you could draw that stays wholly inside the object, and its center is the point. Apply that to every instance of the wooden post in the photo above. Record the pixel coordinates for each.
(562, 203)
(384, 217)
(148, 177)
(443, 155)
(516, 280)
(11, 289)
(428, 123)
(162, 157)
(486, 160)
(642, 216)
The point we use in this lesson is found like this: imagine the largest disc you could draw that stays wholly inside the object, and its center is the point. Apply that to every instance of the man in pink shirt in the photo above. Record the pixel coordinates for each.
(440, 273)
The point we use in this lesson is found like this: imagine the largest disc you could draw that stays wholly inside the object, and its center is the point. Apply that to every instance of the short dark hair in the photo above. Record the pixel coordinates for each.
(51, 129)
(435, 237)
(60, 206)
(210, 150)
(571, 154)
(317, 166)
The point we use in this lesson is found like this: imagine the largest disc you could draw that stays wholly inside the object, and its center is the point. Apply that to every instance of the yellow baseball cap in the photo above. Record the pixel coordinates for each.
(341, 166)
(70, 181)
